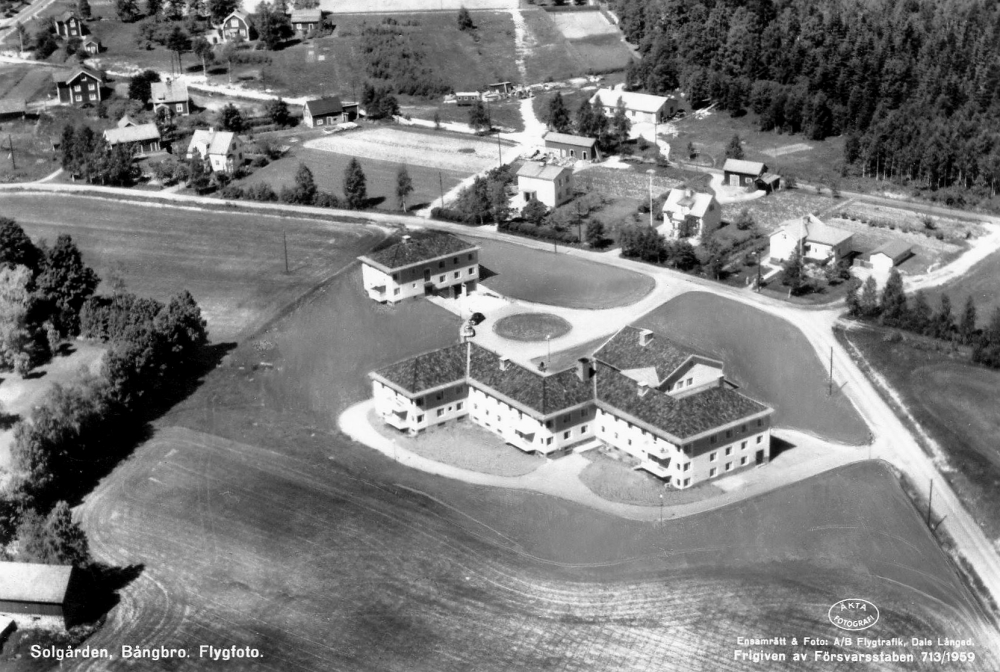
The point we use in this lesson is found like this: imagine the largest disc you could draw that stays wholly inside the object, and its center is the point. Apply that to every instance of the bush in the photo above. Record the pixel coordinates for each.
(543, 232)
(450, 215)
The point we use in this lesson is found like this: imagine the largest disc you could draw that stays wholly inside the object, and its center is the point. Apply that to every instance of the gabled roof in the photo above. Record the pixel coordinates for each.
(307, 15)
(242, 16)
(31, 582)
(67, 15)
(543, 395)
(681, 417)
(811, 229)
(567, 139)
(896, 250)
(90, 40)
(624, 351)
(742, 167)
(13, 105)
(68, 76)
(688, 201)
(221, 142)
(428, 371)
(542, 171)
(641, 102)
(125, 122)
(416, 250)
(135, 133)
(170, 91)
(324, 106)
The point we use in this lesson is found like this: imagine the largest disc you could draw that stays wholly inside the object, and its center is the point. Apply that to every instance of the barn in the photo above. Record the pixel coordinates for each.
(889, 255)
(572, 146)
(740, 173)
(35, 594)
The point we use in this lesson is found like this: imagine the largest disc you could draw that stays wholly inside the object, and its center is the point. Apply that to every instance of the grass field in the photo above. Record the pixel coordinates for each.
(542, 277)
(981, 282)
(531, 326)
(549, 56)
(504, 114)
(955, 403)
(233, 264)
(767, 357)
(772, 210)
(325, 555)
(328, 171)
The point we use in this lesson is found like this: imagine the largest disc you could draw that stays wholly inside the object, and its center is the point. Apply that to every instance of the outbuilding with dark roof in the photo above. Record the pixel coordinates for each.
(740, 173)
(40, 594)
(328, 111)
(573, 146)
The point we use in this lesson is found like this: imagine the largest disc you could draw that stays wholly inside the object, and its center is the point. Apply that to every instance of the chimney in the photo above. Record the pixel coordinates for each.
(504, 362)
(406, 239)
(645, 337)
(643, 388)
(583, 370)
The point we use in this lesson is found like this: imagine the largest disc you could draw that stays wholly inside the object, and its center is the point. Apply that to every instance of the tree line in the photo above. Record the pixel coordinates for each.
(913, 84)
(590, 121)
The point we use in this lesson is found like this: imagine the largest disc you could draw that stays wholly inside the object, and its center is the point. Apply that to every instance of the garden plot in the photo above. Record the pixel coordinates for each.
(580, 25)
(394, 6)
(432, 150)
(787, 149)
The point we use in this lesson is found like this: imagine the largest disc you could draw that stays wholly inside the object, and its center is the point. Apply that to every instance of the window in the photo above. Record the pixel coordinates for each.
(438, 396)
(548, 423)
(77, 88)
(470, 256)
(455, 260)
(602, 429)
(690, 381)
(548, 441)
(449, 409)
(729, 450)
(687, 466)
(440, 412)
(630, 442)
(743, 446)
(714, 440)
(729, 466)
(92, 87)
(395, 277)
(442, 279)
(457, 273)
(712, 472)
(458, 406)
(687, 481)
(440, 264)
(729, 433)
(420, 401)
(743, 428)
(472, 271)
(743, 461)
(760, 423)
(759, 439)
(420, 418)
(395, 292)
(475, 407)
(458, 390)
(565, 435)
(319, 122)
(583, 430)
(180, 107)
(711, 457)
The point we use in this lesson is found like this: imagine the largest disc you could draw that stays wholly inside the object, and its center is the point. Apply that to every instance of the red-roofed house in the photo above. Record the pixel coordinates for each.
(328, 111)
(306, 21)
(436, 263)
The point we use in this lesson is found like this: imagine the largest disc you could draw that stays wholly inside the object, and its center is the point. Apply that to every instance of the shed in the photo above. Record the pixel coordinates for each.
(769, 182)
(35, 592)
(888, 255)
(142, 138)
(467, 97)
(305, 21)
(91, 46)
(13, 108)
(328, 111)
(572, 146)
(740, 173)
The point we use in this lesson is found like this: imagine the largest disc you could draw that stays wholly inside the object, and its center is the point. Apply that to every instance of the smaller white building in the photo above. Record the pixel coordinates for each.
(551, 185)
(224, 149)
(437, 263)
(688, 213)
(639, 107)
(812, 238)
(889, 255)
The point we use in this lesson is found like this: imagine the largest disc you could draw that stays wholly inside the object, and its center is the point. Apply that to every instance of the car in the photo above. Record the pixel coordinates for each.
(477, 318)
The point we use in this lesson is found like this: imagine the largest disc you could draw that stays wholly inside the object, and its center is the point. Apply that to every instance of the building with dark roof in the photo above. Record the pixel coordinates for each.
(572, 146)
(171, 94)
(888, 255)
(741, 173)
(68, 24)
(328, 111)
(665, 405)
(434, 263)
(82, 86)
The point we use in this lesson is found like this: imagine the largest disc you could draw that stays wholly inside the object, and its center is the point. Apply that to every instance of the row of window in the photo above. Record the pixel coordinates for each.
(729, 449)
(729, 467)
(729, 432)
(681, 383)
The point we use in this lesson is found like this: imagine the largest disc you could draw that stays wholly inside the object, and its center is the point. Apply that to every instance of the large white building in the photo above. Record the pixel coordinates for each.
(812, 238)
(639, 107)
(666, 406)
(434, 263)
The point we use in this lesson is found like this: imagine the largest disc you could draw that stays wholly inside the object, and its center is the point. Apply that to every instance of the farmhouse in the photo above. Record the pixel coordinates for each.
(171, 94)
(306, 21)
(13, 108)
(572, 146)
(439, 263)
(552, 185)
(888, 255)
(224, 149)
(639, 107)
(68, 24)
(237, 26)
(38, 595)
(81, 86)
(812, 238)
(139, 138)
(328, 111)
(91, 46)
(669, 408)
(740, 173)
(689, 213)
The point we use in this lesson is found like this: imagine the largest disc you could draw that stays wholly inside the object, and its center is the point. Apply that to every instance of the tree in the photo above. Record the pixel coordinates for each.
(66, 283)
(178, 42)
(277, 111)
(691, 151)
(794, 276)
(127, 10)
(744, 220)
(919, 319)
(355, 185)
(499, 200)
(16, 248)
(967, 325)
(558, 115)
(140, 86)
(893, 308)
(869, 299)
(153, 7)
(479, 120)
(734, 150)
(594, 234)
(53, 540)
(474, 201)
(404, 187)
(305, 185)
(44, 44)
(465, 19)
(620, 124)
(853, 300)
(21, 338)
(181, 328)
(232, 119)
(220, 9)
(272, 26)
(83, 9)
(944, 320)
(534, 211)
(585, 119)
(229, 51)
(203, 49)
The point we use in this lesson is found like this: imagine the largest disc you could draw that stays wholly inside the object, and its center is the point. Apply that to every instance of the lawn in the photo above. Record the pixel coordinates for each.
(561, 280)
(616, 481)
(981, 282)
(955, 402)
(233, 264)
(273, 531)
(774, 209)
(328, 171)
(465, 445)
(531, 327)
(551, 57)
(504, 114)
(768, 357)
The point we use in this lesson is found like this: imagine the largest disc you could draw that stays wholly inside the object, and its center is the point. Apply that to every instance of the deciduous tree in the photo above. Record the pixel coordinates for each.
(404, 187)
(355, 185)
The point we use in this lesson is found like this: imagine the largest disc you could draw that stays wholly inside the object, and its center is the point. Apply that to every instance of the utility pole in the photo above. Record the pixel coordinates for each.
(930, 499)
(661, 508)
(441, 184)
(829, 391)
(499, 151)
(651, 172)
(284, 240)
(10, 146)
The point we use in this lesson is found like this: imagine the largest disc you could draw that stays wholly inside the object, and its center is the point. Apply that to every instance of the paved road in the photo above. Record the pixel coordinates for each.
(894, 442)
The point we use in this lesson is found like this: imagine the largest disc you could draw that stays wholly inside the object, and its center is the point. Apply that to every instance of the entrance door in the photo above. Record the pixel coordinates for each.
(760, 457)
(427, 275)
(734, 180)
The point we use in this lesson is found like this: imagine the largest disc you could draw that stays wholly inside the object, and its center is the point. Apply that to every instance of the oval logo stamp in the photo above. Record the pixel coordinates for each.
(853, 614)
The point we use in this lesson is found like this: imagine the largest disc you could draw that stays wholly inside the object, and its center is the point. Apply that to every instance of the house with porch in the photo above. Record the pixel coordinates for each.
(669, 408)
(81, 86)
(223, 149)
(305, 22)
(328, 111)
(549, 184)
(572, 146)
(172, 95)
(140, 139)
(812, 238)
(639, 107)
(688, 213)
(435, 263)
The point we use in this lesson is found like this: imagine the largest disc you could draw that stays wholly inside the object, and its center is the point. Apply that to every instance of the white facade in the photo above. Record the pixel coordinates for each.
(551, 185)
(416, 281)
(526, 432)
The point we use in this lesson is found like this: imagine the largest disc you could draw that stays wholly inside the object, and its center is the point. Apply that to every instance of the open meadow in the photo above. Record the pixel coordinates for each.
(233, 264)
(256, 523)
(981, 282)
(768, 357)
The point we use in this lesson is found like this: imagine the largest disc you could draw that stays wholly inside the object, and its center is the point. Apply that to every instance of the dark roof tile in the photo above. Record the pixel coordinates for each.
(429, 370)
(624, 352)
(543, 394)
(417, 249)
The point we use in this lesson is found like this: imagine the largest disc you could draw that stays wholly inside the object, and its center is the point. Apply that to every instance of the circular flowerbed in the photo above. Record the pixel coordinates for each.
(531, 326)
